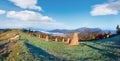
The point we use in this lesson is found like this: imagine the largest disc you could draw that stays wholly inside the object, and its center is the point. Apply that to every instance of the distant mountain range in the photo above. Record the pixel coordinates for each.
(60, 30)
(76, 30)
(83, 29)
(83, 32)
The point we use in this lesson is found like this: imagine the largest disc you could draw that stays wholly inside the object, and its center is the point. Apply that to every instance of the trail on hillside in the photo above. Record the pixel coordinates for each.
(6, 46)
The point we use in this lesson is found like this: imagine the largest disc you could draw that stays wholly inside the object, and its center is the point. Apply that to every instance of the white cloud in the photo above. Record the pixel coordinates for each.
(27, 24)
(27, 4)
(23, 19)
(111, 8)
(28, 16)
(2, 12)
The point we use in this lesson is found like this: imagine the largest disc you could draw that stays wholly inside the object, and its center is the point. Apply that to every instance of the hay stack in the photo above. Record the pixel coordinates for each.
(56, 39)
(63, 40)
(68, 40)
(39, 35)
(47, 38)
(74, 40)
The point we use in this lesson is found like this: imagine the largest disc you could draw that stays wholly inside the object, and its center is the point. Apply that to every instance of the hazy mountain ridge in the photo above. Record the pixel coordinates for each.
(84, 32)
(77, 30)
(83, 29)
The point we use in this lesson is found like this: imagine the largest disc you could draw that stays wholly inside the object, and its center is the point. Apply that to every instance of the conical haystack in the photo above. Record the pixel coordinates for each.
(68, 39)
(56, 39)
(39, 36)
(74, 40)
(63, 40)
(47, 38)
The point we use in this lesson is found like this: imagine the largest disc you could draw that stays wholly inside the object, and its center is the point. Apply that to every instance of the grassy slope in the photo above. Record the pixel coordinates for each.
(32, 48)
(106, 49)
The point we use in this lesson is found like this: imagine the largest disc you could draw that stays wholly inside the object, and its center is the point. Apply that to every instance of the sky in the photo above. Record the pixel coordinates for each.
(59, 14)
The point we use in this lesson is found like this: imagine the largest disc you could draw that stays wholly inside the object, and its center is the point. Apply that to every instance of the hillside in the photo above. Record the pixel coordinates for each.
(31, 48)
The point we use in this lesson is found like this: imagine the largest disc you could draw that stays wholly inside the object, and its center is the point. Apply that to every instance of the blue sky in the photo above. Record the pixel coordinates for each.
(59, 14)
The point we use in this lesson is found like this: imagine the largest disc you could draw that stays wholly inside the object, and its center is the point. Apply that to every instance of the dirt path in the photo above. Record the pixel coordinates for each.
(4, 47)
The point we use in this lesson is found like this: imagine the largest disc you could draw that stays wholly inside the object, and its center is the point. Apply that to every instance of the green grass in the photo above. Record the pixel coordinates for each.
(19, 52)
(34, 49)
(94, 50)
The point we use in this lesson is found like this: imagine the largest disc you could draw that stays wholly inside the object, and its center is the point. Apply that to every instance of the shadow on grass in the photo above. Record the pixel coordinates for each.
(2, 45)
(4, 55)
(115, 40)
(104, 52)
(42, 54)
(115, 45)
